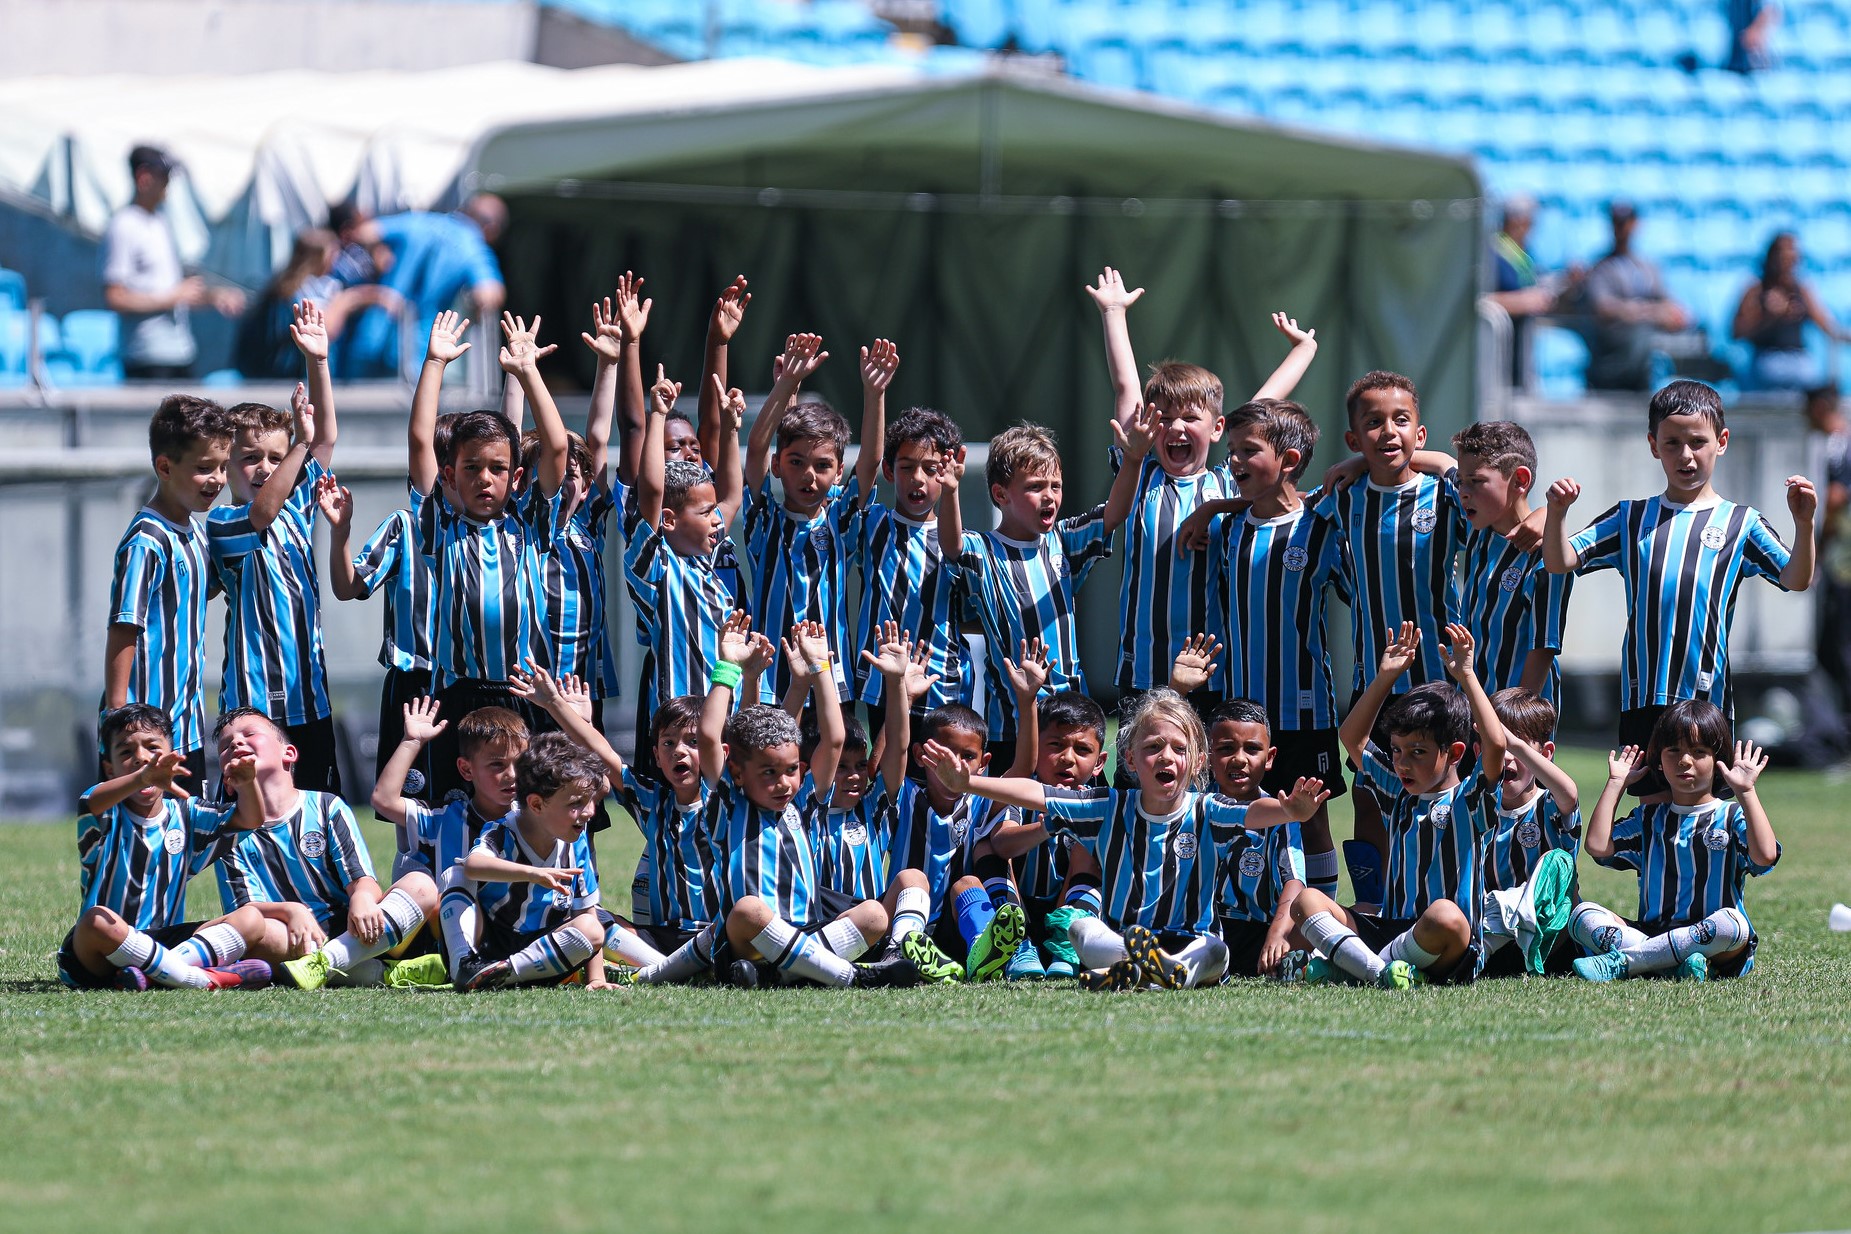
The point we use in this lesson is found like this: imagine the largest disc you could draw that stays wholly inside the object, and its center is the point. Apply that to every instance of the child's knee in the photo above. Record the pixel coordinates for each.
(1309, 903)
(589, 925)
(752, 912)
(421, 888)
(910, 878)
(249, 923)
(1443, 917)
(870, 917)
(969, 882)
(103, 926)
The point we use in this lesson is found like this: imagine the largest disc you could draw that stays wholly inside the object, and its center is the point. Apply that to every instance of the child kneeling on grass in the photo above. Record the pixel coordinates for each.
(1692, 854)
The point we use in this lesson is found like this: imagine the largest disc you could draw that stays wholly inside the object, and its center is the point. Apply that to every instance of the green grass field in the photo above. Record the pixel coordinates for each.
(1528, 1105)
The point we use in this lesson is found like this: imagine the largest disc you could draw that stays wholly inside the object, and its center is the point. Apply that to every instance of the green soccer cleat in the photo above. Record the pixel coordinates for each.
(1063, 960)
(1292, 965)
(1025, 964)
(1122, 976)
(311, 972)
(1696, 967)
(992, 949)
(1399, 975)
(933, 964)
(1058, 969)
(1607, 966)
(425, 972)
(1160, 968)
(1319, 971)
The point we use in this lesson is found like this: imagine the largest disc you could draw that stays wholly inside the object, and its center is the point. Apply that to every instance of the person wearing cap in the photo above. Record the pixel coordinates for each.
(144, 282)
(1631, 306)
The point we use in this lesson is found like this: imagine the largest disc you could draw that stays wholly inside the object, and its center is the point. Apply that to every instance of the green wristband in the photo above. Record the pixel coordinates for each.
(727, 674)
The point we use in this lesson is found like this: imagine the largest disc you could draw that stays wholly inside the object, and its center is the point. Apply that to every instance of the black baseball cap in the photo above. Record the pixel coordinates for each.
(150, 158)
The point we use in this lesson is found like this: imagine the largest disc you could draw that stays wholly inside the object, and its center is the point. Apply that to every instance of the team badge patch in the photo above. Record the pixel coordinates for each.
(960, 827)
(1712, 537)
(414, 781)
(1705, 931)
(1529, 833)
(456, 794)
(174, 841)
(1252, 862)
(1442, 813)
(1185, 845)
(1423, 521)
(314, 844)
(1511, 579)
(1716, 839)
(855, 835)
(1295, 558)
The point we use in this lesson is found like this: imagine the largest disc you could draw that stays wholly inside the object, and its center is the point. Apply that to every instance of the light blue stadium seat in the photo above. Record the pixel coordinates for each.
(1661, 34)
(92, 338)
(848, 21)
(1552, 35)
(1496, 33)
(1607, 35)
(1106, 64)
(1561, 362)
(15, 329)
(1037, 24)
(219, 378)
(976, 23)
(12, 289)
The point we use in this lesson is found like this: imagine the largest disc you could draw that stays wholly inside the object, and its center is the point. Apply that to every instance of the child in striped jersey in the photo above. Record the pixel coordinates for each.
(1682, 556)
(798, 543)
(1262, 872)
(263, 552)
(1164, 597)
(157, 602)
(140, 840)
(1508, 599)
(489, 743)
(483, 543)
(308, 872)
(1158, 845)
(1692, 853)
(1437, 821)
(1021, 578)
(1530, 853)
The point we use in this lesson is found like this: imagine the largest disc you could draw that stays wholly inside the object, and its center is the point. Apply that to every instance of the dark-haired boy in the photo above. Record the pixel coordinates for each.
(263, 552)
(481, 534)
(1262, 872)
(1436, 823)
(489, 744)
(157, 601)
(1681, 557)
(1530, 852)
(1509, 601)
(140, 839)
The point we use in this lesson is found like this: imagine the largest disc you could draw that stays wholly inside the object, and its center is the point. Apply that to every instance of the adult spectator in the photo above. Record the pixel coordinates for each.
(265, 347)
(1627, 297)
(145, 283)
(1516, 285)
(1771, 318)
(359, 261)
(435, 258)
(1751, 27)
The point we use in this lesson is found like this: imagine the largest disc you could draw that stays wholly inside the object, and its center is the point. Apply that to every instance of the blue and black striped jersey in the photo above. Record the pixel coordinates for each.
(682, 604)
(273, 656)
(1255, 869)
(937, 845)
(390, 559)
(851, 845)
(1436, 841)
(442, 836)
(138, 867)
(674, 862)
(799, 569)
(486, 577)
(1270, 581)
(1513, 606)
(574, 638)
(905, 578)
(1520, 837)
(530, 908)
(1691, 860)
(1164, 596)
(310, 858)
(161, 587)
(1681, 566)
(761, 852)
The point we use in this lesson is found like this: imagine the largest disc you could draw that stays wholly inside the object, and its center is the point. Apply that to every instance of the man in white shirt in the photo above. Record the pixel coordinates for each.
(144, 282)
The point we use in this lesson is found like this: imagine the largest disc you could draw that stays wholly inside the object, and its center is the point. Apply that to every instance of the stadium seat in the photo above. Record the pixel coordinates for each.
(218, 378)
(1560, 357)
(12, 289)
(91, 340)
(1107, 64)
(976, 23)
(15, 339)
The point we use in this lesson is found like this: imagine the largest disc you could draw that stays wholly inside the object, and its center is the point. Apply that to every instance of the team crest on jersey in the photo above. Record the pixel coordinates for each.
(1252, 862)
(1511, 579)
(1716, 839)
(1529, 833)
(1423, 521)
(1442, 813)
(1712, 537)
(822, 537)
(1185, 845)
(1296, 558)
(414, 781)
(314, 844)
(960, 827)
(174, 841)
(856, 835)
(456, 794)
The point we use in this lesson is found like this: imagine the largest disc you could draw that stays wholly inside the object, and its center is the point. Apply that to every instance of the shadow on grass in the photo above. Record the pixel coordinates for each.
(42, 986)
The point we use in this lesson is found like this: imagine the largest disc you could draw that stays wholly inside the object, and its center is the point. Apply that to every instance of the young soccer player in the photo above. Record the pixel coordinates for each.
(1436, 819)
(263, 552)
(1159, 846)
(798, 545)
(1681, 556)
(1021, 578)
(483, 548)
(1262, 872)
(1692, 854)
(489, 743)
(140, 839)
(1530, 852)
(157, 602)
(306, 869)
(1509, 601)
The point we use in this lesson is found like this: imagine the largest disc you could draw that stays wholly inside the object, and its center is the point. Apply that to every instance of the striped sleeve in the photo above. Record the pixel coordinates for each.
(1375, 772)
(1763, 552)
(378, 558)
(1628, 842)
(1086, 542)
(140, 570)
(1078, 812)
(1601, 545)
(1551, 601)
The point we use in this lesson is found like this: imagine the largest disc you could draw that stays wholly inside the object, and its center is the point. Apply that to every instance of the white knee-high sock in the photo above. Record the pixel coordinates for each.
(1098, 945)
(552, 955)
(628, 947)
(1403, 947)
(843, 937)
(1321, 871)
(212, 946)
(1722, 931)
(402, 916)
(687, 962)
(1599, 929)
(802, 955)
(1205, 958)
(456, 913)
(1338, 942)
(140, 951)
(909, 911)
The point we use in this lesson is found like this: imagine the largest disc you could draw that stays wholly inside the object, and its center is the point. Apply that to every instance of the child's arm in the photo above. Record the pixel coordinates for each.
(446, 344)
(728, 312)
(1750, 762)
(1113, 301)
(764, 653)
(1558, 554)
(1279, 929)
(520, 359)
(878, 365)
(389, 800)
(803, 355)
(364, 917)
(1291, 370)
(1027, 677)
(808, 646)
(310, 332)
(1010, 790)
(1536, 665)
(1556, 782)
(950, 513)
(1622, 765)
(337, 507)
(651, 482)
(560, 700)
(896, 656)
(119, 663)
(161, 773)
(513, 402)
(1134, 439)
(1297, 806)
(1804, 503)
(484, 867)
(268, 501)
(735, 647)
(1397, 657)
(606, 342)
(728, 481)
(1456, 654)
(240, 775)
(1195, 664)
(1193, 535)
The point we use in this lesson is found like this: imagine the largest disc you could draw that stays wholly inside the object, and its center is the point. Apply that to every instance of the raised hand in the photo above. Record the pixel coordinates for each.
(918, 682)
(632, 309)
(309, 331)
(335, 501)
(605, 338)
(879, 361)
(896, 651)
(447, 332)
(1288, 326)
(1456, 652)
(729, 310)
(1136, 437)
(736, 638)
(803, 355)
(163, 771)
(522, 350)
(663, 394)
(1563, 493)
(575, 693)
(421, 722)
(1029, 674)
(1303, 801)
(812, 639)
(1626, 764)
(1802, 499)
(946, 765)
(763, 653)
(304, 412)
(1109, 294)
(1195, 663)
(1402, 652)
(732, 403)
(1750, 762)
